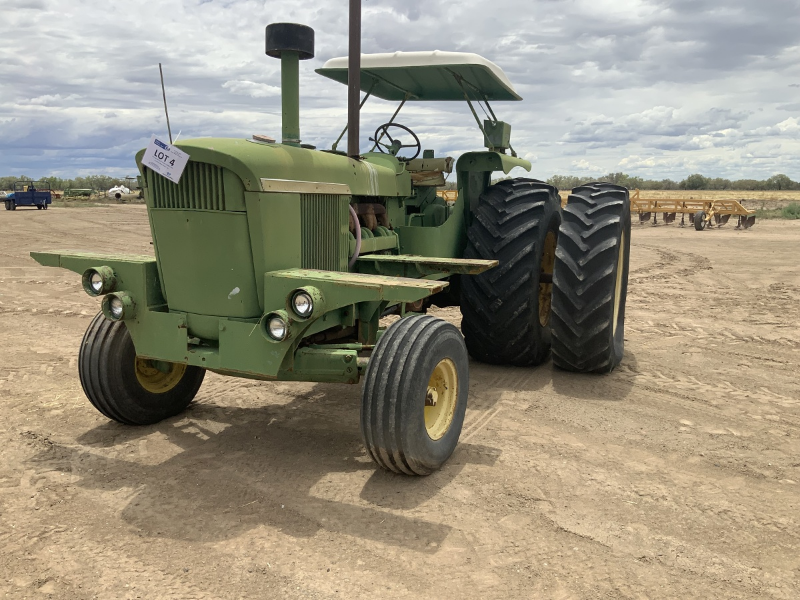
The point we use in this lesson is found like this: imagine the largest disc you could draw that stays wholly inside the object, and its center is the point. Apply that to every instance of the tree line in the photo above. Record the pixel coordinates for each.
(562, 182)
(692, 182)
(93, 182)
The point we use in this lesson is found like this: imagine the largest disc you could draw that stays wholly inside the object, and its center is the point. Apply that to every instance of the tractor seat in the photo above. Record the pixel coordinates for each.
(429, 172)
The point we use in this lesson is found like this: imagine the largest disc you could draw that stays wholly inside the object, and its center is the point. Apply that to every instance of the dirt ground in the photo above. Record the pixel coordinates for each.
(676, 476)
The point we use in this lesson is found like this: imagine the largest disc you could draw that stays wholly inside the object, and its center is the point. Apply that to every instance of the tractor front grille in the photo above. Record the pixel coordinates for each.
(325, 233)
(201, 188)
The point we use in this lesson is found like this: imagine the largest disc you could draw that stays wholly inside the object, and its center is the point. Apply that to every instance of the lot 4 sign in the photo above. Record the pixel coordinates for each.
(165, 159)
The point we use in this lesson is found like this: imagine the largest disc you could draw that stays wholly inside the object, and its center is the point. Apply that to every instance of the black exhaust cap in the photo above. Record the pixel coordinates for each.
(282, 37)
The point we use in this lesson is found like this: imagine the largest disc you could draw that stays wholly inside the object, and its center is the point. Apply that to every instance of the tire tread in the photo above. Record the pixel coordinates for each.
(500, 316)
(584, 279)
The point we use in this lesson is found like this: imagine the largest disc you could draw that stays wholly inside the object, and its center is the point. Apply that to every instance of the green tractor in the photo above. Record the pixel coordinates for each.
(278, 261)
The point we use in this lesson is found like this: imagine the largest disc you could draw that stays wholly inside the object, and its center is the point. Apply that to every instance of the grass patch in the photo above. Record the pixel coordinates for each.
(90, 203)
(792, 211)
(74, 204)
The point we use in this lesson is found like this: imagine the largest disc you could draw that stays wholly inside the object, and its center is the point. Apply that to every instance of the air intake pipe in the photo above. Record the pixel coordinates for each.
(291, 43)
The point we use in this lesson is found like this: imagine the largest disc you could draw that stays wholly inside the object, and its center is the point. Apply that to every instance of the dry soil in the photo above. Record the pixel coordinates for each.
(676, 476)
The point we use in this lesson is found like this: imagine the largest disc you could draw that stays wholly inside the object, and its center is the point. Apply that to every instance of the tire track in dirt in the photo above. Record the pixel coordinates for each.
(702, 334)
(665, 266)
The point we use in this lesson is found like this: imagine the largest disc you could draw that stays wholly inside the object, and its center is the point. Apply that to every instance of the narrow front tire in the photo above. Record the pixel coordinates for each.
(415, 395)
(127, 388)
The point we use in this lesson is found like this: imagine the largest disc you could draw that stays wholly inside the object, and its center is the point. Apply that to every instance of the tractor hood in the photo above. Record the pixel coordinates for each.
(253, 161)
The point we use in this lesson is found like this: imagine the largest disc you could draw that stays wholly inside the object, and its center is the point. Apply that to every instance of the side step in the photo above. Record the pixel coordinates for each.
(404, 265)
(348, 288)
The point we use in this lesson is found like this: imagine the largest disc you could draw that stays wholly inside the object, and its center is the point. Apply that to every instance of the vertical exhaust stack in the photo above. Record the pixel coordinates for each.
(291, 43)
(354, 81)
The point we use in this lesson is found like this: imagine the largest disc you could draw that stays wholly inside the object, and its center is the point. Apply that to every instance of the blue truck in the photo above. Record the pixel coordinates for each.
(30, 193)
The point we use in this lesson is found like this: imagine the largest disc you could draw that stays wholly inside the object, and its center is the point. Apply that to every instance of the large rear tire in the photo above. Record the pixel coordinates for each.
(129, 389)
(415, 395)
(506, 310)
(8, 204)
(590, 282)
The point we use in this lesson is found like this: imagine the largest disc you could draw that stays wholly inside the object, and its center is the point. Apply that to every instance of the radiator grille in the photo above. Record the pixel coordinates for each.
(325, 231)
(201, 188)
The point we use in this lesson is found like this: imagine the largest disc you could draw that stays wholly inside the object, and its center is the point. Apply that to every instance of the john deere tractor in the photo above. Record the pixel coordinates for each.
(275, 260)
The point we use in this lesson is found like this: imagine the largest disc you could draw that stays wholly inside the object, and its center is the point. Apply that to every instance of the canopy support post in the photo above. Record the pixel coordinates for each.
(394, 116)
(360, 106)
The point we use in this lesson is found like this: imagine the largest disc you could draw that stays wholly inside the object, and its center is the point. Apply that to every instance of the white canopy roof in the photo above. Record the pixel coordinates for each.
(426, 76)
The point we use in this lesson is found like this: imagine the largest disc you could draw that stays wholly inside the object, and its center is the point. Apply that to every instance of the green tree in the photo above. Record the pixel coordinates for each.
(695, 182)
(780, 182)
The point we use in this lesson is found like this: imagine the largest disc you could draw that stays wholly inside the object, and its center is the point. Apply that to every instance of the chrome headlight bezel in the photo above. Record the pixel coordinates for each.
(302, 304)
(105, 276)
(118, 306)
(275, 326)
(314, 300)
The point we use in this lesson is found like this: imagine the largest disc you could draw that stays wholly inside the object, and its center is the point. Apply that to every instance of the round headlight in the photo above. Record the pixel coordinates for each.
(96, 282)
(277, 328)
(303, 304)
(116, 307)
(99, 280)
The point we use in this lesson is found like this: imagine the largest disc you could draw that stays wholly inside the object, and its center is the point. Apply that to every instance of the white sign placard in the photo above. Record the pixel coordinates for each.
(165, 159)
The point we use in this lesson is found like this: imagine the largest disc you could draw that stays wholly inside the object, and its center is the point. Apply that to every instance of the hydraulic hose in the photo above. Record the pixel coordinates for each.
(358, 238)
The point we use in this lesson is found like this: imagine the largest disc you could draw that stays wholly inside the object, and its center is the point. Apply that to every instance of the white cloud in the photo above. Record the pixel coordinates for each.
(53, 99)
(657, 87)
(252, 89)
(584, 166)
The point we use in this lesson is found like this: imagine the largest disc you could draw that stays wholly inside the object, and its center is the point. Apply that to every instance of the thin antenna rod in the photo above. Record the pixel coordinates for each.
(164, 94)
(354, 81)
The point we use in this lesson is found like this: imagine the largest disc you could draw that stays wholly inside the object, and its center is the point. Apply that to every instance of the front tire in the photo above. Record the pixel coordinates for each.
(506, 310)
(129, 389)
(415, 395)
(590, 282)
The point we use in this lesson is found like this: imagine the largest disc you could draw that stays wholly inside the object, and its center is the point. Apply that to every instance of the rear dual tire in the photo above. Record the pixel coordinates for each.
(506, 310)
(129, 389)
(590, 280)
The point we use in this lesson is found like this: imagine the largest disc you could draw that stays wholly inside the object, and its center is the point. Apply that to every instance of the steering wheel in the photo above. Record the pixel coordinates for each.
(394, 146)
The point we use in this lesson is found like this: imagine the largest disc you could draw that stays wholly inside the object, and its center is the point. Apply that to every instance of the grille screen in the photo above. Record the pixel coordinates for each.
(201, 188)
(325, 231)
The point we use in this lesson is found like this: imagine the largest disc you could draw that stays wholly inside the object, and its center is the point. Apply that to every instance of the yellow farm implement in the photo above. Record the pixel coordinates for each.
(701, 212)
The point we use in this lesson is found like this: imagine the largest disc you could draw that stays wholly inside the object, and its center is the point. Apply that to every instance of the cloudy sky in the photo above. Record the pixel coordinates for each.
(657, 88)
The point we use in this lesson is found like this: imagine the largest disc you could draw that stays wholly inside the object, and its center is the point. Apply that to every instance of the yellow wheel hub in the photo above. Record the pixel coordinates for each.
(441, 399)
(546, 268)
(618, 287)
(158, 377)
